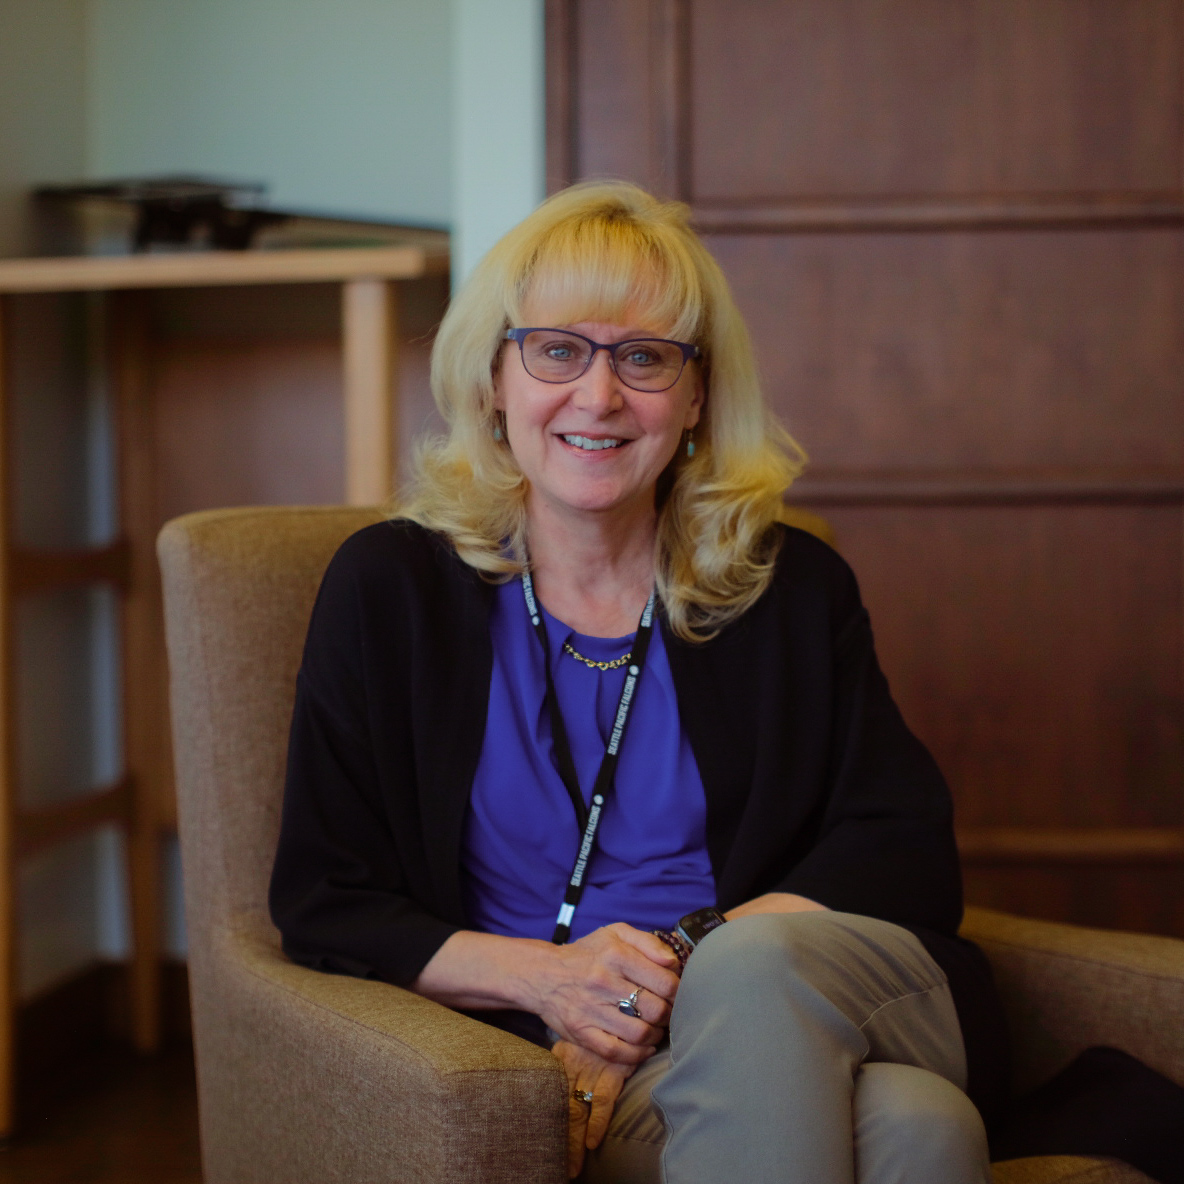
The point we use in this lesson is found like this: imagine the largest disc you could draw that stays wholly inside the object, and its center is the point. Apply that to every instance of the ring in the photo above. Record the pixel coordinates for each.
(582, 1095)
(629, 1006)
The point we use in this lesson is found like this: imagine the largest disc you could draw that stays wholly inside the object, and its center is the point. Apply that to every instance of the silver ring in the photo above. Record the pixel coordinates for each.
(629, 1006)
(582, 1095)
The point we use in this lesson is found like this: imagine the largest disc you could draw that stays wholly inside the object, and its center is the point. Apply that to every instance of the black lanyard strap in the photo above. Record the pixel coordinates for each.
(588, 818)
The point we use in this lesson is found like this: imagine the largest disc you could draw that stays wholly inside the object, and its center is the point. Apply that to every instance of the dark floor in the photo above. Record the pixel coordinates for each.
(117, 1117)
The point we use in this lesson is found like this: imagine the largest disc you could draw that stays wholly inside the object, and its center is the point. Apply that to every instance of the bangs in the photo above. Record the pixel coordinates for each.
(615, 271)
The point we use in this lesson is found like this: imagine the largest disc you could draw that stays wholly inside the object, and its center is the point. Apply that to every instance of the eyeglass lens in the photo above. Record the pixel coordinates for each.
(552, 356)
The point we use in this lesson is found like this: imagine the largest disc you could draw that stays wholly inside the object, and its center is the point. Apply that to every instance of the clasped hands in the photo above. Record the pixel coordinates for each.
(575, 989)
(599, 1045)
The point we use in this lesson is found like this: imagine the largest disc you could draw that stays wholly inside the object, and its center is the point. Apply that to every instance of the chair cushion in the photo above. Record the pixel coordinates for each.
(1066, 988)
(1066, 1169)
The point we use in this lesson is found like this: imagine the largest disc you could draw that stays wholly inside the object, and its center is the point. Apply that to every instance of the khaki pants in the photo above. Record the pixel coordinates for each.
(805, 1048)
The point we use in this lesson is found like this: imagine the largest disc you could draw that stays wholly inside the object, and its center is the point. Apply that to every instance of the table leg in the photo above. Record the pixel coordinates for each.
(7, 772)
(370, 348)
(145, 685)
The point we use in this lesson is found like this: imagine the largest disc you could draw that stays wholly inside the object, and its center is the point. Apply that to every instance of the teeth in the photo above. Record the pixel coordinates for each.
(591, 445)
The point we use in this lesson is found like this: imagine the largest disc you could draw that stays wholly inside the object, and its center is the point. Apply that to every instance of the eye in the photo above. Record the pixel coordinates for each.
(640, 355)
(559, 351)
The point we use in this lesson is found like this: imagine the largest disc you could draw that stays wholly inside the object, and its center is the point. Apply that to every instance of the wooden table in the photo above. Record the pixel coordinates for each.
(139, 801)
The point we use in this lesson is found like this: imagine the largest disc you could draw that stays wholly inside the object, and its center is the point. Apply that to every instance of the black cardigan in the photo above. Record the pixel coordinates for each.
(814, 784)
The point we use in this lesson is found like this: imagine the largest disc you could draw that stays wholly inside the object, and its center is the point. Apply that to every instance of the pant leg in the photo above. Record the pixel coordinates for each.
(632, 1150)
(773, 1020)
(909, 1124)
(912, 1125)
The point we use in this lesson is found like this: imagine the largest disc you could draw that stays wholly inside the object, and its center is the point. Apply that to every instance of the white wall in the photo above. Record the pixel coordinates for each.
(342, 106)
(497, 123)
(42, 118)
(423, 110)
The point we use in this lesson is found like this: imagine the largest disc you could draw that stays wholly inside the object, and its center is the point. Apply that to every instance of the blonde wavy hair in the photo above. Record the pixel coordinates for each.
(602, 252)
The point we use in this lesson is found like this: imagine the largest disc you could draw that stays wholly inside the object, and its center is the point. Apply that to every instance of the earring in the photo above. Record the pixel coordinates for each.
(497, 425)
(690, 442)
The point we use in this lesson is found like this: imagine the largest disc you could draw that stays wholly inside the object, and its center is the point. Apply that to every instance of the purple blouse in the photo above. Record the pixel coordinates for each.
(650, 865)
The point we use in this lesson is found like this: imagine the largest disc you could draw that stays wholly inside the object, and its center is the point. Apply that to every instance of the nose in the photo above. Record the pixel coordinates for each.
(598, 389)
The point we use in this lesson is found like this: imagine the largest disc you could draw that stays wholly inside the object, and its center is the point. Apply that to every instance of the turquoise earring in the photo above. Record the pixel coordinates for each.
(497, 425)
(690, 443)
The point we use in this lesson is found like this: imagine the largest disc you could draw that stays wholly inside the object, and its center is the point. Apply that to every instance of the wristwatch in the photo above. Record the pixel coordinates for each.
(694, 927)
(690, 931)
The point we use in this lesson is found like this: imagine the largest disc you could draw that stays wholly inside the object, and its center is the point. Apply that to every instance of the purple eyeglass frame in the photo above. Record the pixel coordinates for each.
(688, 352)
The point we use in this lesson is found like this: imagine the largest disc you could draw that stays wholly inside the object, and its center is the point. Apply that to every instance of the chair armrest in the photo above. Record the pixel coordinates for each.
(1066, 988)
(318, 1077)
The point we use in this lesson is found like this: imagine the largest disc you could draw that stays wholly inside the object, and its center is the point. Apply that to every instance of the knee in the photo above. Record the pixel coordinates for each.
(761, 949)
(911, 1120)
(771, 966)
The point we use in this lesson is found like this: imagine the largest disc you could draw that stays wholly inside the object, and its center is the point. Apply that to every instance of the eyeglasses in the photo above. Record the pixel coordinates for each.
(643, 363)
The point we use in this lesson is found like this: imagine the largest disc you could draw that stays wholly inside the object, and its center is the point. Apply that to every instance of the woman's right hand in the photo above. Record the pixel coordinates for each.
(578, 992)
(588, 1121)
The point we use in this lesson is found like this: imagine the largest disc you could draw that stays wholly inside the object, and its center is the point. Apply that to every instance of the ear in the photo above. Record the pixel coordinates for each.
(499, 400)
(695, 407)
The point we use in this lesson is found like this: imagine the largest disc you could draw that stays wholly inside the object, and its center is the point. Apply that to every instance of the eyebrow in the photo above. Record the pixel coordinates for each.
(630, 335)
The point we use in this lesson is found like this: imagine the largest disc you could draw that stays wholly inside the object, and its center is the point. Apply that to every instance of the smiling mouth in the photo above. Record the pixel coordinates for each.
(589, 444)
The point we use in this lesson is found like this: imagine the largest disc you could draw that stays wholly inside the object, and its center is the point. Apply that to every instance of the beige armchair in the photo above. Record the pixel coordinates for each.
(304, 1076)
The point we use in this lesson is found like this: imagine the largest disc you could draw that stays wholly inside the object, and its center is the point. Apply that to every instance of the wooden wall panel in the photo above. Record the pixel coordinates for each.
(956, 228)
(1131, 896)
(249, 424)
(613, 51)
(1017, 348)
(627, 57)
(247, 392)
(1037, 650)
(932, 97)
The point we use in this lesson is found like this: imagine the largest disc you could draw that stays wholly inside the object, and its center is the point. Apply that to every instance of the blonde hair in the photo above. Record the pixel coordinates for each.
(599, 252)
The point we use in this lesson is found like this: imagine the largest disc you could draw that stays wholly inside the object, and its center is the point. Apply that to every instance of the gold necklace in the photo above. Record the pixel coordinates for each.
(615, 664)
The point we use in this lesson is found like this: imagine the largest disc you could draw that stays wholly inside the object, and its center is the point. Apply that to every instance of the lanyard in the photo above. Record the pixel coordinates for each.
(589, 819)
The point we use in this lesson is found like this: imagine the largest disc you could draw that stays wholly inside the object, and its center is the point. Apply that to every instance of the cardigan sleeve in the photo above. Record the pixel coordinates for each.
(340, 893)
(885, 844)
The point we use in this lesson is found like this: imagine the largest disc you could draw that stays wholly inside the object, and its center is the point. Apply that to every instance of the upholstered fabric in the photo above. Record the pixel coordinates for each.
(304, 1076)
(1066, 988)
(1066, 1169)
(310, 1077)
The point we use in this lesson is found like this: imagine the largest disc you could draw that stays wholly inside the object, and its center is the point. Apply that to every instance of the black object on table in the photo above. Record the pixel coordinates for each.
(180, 211)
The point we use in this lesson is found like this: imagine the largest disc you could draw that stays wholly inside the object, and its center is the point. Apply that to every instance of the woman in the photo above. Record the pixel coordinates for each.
(587, 684)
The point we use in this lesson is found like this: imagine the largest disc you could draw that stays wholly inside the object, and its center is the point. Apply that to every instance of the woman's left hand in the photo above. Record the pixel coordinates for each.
(588, 1122)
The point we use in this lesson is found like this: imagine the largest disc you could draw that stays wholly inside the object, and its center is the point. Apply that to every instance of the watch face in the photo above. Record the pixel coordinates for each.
(696, 926)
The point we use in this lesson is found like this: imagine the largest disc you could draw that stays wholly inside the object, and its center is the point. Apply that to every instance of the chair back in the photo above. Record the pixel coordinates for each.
(239, 586)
